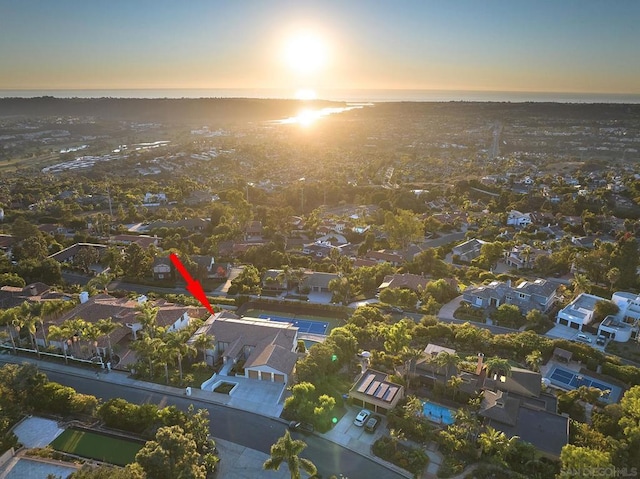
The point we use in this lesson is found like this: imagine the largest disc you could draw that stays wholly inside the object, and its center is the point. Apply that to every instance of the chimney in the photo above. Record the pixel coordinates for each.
(480, 364)
(508, 283)
(84, 297)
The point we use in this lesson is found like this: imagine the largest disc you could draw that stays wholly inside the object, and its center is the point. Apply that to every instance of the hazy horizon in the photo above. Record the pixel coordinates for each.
(310, 46)
(343, 95)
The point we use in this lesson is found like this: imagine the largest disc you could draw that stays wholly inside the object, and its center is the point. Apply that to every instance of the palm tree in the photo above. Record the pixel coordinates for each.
(496, 443)
(454, 383)
(534, 359)
(164, 354)
(57, 333)
(414, 406)
(101, 282)
(177, 343)
(498, 366)
(147, 349)
(446, 360)
(581, 284)
(106, 327)
(148, 317)
(9, 318)
(203, 342)
(30, 322)
(613, 275)
(287, 450)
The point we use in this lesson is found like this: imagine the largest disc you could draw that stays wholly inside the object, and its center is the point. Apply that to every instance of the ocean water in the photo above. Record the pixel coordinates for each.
(355, 96)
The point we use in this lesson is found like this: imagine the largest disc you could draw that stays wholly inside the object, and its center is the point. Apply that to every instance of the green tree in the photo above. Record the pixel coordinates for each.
(172, 454)
(287, 450)
(585, 462)
(604, 308)
(498, 367)
(403, 227)
(398, 337)
(533, 359)
(136, 263)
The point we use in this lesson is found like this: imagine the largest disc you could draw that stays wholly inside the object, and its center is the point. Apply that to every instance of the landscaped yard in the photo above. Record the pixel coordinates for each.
(97, 446)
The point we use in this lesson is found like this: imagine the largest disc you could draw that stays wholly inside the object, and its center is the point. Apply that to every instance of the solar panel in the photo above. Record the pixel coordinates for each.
(371, 391)
(391, 393)
(365, 384)
(383, 389)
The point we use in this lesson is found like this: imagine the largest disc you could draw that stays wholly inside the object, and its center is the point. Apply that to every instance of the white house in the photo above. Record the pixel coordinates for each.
(516, 218)
(579, 312)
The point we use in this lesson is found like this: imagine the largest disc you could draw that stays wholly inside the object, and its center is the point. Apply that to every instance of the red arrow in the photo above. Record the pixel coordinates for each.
(193, 286)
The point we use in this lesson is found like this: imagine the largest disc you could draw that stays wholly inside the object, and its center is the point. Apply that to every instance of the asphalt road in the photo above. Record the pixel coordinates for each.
(241, 427)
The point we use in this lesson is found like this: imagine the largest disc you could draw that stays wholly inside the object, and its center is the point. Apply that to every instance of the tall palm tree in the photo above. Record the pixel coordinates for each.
(204, 342)
(164, 355)
(148, 317)
(177, 343)
(106, 327)
(30, 322)
(447, 361)
(57, 333)
(287, 450)
(534, 359)
(146, 350)
(9, 318)
(454, 383)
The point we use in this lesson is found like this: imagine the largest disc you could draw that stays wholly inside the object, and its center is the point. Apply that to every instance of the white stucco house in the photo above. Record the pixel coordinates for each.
(579, 312)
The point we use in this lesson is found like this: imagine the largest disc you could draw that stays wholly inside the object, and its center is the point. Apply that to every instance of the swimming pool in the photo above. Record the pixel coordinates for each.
(437, 413)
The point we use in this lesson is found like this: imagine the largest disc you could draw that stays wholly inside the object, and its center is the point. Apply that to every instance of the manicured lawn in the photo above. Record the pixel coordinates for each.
(97, 446)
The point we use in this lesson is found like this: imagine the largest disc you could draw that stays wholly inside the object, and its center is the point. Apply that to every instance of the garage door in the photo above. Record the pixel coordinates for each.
(574, 325)
(266, 376)
(279, 378)
(564, 322)
(253, 374)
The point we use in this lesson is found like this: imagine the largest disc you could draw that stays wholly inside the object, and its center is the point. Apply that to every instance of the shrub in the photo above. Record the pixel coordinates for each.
(389, 449)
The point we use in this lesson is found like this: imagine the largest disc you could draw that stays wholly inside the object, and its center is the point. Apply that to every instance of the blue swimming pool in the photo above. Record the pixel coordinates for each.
(437, 413)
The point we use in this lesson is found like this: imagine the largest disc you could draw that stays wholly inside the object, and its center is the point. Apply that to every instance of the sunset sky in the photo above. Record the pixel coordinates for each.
(498, 45)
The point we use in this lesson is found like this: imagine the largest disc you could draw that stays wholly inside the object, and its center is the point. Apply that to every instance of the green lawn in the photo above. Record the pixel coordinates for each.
(97, 446)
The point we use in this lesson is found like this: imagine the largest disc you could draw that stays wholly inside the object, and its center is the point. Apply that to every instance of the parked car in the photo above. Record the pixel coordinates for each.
(362, 417)
(303, 427)
(601, 340)
(372, 423)
(584, 338)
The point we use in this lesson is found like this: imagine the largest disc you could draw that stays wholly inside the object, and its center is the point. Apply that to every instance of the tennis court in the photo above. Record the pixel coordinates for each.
(572, 380)
(303, 325)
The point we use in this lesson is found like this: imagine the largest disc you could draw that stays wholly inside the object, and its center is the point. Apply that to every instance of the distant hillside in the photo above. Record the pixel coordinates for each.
(159, 110)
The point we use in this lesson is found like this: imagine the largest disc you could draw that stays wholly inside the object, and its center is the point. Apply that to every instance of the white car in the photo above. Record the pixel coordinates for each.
(362, 417)
(584, 338)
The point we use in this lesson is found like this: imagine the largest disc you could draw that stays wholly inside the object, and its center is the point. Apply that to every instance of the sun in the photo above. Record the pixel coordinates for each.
(305, 52)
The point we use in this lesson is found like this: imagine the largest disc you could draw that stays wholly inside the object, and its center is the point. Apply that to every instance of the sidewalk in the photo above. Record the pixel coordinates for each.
(237, 461)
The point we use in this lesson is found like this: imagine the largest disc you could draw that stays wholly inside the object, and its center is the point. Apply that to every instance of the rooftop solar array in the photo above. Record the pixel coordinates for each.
(378, 389)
